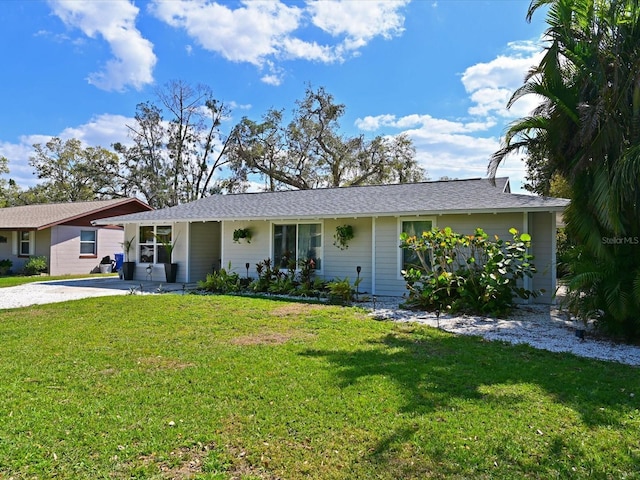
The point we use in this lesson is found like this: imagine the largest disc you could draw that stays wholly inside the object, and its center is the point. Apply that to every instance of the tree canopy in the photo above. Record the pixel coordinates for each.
(587, 130)
(178, 152)
(71, 173)
(311, 152)
(176, 160)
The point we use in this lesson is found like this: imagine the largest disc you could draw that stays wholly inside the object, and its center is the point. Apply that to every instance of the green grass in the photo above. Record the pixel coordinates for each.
(214, 387)
(14, 281)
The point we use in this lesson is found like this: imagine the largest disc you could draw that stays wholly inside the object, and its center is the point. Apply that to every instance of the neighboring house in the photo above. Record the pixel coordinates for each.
(64, 233)
(302, 223)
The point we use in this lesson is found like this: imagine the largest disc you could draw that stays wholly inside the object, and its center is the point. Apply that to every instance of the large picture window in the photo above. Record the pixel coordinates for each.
(151, 239)
(88, 242)
(414, 227)
(296, 242)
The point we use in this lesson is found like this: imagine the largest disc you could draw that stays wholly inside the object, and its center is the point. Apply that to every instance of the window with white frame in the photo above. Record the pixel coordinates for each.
(151, 239)
(295, 242)
(88, 242)
(409, 257)
(25, 243)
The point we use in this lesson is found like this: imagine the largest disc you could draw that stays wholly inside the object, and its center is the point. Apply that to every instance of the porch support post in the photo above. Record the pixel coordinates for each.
(187, 228)
(373, 255)
(554, 257)
(525, 229)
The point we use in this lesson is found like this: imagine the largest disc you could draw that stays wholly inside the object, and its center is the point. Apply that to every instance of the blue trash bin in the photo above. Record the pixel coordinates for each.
(119, 261)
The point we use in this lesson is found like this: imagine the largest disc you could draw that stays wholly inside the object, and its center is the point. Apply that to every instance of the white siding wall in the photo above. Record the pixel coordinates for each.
(240, 253)
(498, 224)
(388, 279)
(342, 263)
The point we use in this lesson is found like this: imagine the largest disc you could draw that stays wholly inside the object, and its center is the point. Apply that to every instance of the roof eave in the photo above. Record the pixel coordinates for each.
(124, 201)
(122, 221)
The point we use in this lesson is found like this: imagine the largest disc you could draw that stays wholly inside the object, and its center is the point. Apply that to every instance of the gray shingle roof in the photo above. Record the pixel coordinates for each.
(454, 196)
(38, 217)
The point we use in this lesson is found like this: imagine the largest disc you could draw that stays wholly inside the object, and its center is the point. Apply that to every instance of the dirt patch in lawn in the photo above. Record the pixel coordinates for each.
(183, 463)
(264, 338)
(294, 309)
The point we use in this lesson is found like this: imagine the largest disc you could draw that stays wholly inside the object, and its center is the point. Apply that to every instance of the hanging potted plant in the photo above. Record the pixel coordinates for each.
(170, 268)
(242, 233)
(128, 267)
(343, 234)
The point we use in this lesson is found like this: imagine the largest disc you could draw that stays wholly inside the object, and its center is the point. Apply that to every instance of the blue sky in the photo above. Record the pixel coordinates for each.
(439, 70)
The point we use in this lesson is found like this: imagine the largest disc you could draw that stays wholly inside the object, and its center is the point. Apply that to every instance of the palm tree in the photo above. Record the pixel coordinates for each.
(587, 127)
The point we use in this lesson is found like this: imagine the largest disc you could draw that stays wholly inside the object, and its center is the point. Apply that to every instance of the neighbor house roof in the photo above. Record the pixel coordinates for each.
(41, 216)
(452, 196)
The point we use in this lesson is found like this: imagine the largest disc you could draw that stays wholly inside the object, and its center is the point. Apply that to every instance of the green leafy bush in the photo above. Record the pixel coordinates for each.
(292, 281)
(222, 281)
(268, 274)
(469, 273)
(35, 266)
(341, 291)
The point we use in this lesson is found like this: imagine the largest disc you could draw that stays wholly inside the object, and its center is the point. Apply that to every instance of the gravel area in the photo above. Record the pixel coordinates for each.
(540, 326)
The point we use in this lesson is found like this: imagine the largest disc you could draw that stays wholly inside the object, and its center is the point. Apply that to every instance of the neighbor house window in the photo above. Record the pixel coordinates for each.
(296, 242)
(88, 242)
(151, 239)
(414, 227)
(25, 243)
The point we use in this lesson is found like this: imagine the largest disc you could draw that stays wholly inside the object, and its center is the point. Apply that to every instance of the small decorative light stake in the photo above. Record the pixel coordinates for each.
(373, 300)
(150, 273)
(358, 270)
(247, 265)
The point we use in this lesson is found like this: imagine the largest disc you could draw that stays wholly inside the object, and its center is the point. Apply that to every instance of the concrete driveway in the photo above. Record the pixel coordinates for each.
(54, 291)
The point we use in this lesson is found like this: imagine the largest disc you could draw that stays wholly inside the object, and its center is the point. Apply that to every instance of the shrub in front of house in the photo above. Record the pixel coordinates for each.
(294, 281)
(35, 266)
(467, 273)
(222, 281)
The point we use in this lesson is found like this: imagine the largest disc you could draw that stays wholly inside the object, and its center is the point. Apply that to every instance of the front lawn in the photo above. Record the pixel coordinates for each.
(16, 280)
(215, 387)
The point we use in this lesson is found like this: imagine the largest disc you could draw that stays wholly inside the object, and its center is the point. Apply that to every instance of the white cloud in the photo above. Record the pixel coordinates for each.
(102, 130)
(359, 22)
(423, 123)
(265, 32)
(491, 84)
(246, 34)
(18, 155)
(233, 105)
(296, 48)
(114, 21)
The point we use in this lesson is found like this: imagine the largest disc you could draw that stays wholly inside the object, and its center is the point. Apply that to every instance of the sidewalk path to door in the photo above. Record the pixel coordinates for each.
(55, 291)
